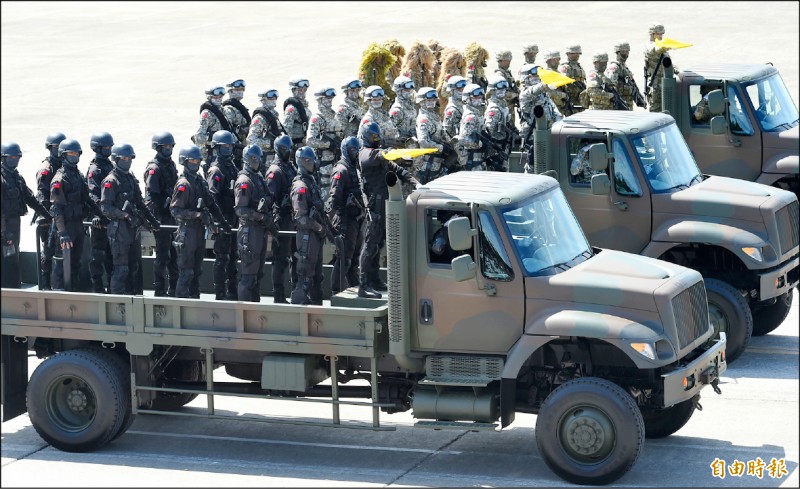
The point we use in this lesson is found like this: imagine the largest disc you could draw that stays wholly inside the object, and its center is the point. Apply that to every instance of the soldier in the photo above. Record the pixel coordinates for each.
(306, 208)
(45, 228)
(70, 196)
(455, 105)
(160, 177)
(374, 168)
(189, 205)
(530, 51)
(574, 70)
(265, 126)
(254, 210)
(295, 111)
(279, 183)
(497, 124)
(345, 207)
(430, 134)
(324, 136)
(221, 179)
(622, 78)
(653, 70)
(349, 112)
(471, 127)
(552, 59)
(122, 202)
(101, 143)
(701, 114)
(597, 95)
(212, 119)
(512, 92)
(534, 93)
(238, 117)
(16, 198)
(402, 113)
(375, 113)
(580, 169)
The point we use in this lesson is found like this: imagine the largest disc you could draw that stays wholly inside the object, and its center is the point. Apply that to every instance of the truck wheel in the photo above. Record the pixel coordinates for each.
(589, 431)
(178, 370)
(660, 423)
(122, 364)
(729, 312)
(767, 318)
(77, 401)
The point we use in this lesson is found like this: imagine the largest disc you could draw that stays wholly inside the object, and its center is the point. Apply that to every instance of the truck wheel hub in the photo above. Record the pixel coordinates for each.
(77, 400)
(587, 434)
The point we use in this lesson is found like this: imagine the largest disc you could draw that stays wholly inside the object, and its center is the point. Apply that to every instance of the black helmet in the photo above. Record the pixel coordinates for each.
(370, 135)
(101, 143)
(163, 143)
(306, 160)
(70, 146)
(52, 142)
(283, 147)
(189, 157)
(350, 148)
(252, 157)
(11, 155)
(223, 141)
(123, 156)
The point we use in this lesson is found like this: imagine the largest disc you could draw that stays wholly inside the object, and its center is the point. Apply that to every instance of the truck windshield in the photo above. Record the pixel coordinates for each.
(666, 159)
(774, 108)
(546, 235)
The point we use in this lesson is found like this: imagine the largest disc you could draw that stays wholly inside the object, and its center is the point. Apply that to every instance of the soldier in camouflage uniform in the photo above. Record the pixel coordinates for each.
(212, 119)
(497, 122)
(265, 126)
(512, 92)
(574, 70)
(44, 227)
(455, 105)
(430, 134)
(375, 113)
(529, 51)
(349, 112)
(621, 76)
(403, 113)
(279, 183)
(238, 117)
(559, 97)
(702, 113)
(296, 112)
(534, 93)
(596, 96)
(100, 261)
(580, 169)
(471, 127)
(653, 69)
(324, 137)
(254, 210)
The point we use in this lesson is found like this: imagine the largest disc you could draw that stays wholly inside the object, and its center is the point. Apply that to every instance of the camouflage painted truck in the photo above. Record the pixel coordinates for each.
(754, 134)
(606, 347)
(648, 196)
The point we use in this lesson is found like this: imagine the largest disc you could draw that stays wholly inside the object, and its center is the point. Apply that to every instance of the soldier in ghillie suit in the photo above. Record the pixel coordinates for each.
(399, 52)
(453, 63)
(437, 49)
(477, 57)
(418, 64)
(374, 69)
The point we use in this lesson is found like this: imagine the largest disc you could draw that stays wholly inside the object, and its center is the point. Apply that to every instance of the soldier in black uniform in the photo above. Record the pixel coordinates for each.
(70, 197)
(99, 168)
(345, 207)
(159, 182)
(374, 168)
(123, 203)
(16, 198)
(189, 205)
(306, 207)
(279, 183)
(254, 209)
(221, 177)
(45, 229)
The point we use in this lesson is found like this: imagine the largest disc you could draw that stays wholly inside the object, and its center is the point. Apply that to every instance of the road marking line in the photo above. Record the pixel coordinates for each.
(773, 351)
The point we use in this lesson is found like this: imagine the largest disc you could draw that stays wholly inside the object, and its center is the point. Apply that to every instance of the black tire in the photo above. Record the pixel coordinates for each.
(601, 413)
(660, 423)
(729, 312)
(77, 401)
(178, 370)
(767, 318)
(121, 361)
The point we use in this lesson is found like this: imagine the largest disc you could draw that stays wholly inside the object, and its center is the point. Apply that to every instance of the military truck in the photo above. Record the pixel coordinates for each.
(523, 315)
(637, 188)
(754, 134)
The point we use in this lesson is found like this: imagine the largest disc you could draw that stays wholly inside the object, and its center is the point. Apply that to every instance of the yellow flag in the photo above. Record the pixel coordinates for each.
(671, 43)
(395, 154)
(553, 77)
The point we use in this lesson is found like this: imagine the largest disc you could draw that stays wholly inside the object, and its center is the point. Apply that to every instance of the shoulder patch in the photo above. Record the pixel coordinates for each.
(341, 109)
(337, 176)
(205, 114)
(152, 171)
(90, 175)
(612, 67)
(290, 109)
(562, 68)
(592, 74)
(217, 178)
(424, 120)
(469, 118)
(257, 120)
(301, 190)
(56, 184)
(271, 174)
(364, 122)
(181, 188)
(243, 185)
(314, 119)
(394, 112)
(450, 112)
(45, 172)
(491, 113)
(107, 184)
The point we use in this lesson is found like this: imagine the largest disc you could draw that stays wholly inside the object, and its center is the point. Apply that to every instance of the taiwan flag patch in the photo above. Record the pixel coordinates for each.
(56, 184)
(107, 184)
(301, 190)
(243, 185)
(217, 178)
(152, 171)
(181, 188)
(337, 176)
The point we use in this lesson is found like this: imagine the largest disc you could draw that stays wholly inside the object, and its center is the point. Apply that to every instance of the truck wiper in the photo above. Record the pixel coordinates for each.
(696, 177)
(680, 186)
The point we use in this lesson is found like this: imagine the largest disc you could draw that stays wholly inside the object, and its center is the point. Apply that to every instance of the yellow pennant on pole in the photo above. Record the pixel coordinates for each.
(554, 78)
(396, 154)
(671, 43)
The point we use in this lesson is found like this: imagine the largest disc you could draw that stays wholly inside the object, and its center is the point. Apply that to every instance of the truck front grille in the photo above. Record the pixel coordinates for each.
(787, 218)
(690, 309)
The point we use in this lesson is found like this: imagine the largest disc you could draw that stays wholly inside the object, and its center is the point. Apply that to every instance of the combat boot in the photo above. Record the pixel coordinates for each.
(219, 291)
(375, 282)
(278, 295)
(364, 290)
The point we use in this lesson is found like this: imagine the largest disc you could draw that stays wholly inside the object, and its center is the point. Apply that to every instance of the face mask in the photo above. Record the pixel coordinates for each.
(299, 92)
(11, 162)
(124, 164)
(71, 160)
(237, 94)
(269, 103)
(216, 101)
(458, 94)
(225, 149)
(429, 104)
(500, 94)
(191, 165)
(352, 94)
(165, 151)
(325, 102)
(476, 102)
(54, 152)
(376, 103)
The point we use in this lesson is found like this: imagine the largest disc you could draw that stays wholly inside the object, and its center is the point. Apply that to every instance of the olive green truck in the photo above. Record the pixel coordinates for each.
(606, 347)
(633, 184)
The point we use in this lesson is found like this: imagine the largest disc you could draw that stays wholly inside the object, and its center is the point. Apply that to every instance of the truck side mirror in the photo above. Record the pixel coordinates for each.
(601, 184)
(598, 157)
(717, 124)
(716, 102)
(459, 233)
(463, 268)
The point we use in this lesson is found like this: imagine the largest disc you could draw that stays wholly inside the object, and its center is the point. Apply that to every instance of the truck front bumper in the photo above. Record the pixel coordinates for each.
(685, 382)
(779, 280)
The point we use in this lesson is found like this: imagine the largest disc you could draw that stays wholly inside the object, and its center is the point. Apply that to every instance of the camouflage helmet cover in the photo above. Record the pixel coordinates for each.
(551, 54)
(574, 48)
(656, 28)
(530, 48)
(621, 46)
(599, 56)
(503, 55)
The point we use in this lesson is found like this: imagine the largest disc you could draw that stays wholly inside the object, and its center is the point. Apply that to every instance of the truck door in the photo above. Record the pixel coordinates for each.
(735, 153)
(621, 220)
(459, 316)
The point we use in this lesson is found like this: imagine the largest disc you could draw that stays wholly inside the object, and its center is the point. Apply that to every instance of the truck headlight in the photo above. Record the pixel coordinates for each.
(645, 349)
(754, 253)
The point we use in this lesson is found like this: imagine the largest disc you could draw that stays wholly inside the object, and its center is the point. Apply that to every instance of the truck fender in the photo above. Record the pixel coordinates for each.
(779, 166)
(674, 232)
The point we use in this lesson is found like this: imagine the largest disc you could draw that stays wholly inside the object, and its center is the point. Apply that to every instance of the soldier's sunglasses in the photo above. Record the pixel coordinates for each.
(376, 93)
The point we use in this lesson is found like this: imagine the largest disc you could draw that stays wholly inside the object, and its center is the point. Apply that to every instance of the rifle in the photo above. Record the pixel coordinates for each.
(489, 143)
(364, 198)
(648, 87)
(336, 145)
(40, 211)
(205, 215)
(619, 104)
(146, 218)
(322, 219)
(268, 220)
(95, 208)
(638, 99)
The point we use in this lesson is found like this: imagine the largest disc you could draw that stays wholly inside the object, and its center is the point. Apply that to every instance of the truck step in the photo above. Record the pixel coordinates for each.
(456, 425)
(463, 382)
